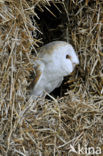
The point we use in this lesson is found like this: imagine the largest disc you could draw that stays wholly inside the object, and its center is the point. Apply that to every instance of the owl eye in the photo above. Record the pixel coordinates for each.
(68, 57)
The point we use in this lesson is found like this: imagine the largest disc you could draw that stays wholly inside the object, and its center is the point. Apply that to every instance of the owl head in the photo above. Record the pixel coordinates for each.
(61, 55)
(68, 58)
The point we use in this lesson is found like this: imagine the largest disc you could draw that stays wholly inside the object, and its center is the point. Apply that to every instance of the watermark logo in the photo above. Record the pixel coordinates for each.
(85, 150)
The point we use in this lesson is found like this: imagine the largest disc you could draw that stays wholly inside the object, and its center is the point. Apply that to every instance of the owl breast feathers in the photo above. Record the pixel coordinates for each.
(55, 60)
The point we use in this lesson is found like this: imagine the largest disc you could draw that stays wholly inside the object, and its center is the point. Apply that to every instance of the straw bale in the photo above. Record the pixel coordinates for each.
(53, 125)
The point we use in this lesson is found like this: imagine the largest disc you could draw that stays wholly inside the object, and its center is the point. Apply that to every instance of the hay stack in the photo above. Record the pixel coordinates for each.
(28, 127)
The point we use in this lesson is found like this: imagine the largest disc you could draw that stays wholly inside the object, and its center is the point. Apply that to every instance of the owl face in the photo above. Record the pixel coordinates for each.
(66, 59)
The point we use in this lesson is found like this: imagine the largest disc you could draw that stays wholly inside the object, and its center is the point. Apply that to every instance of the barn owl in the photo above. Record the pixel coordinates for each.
(55, 60)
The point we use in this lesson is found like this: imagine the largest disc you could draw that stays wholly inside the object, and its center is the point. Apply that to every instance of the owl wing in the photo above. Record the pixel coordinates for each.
(39, 68)
(60, 82)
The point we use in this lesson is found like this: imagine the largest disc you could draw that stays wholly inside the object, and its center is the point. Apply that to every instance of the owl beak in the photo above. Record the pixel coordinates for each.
(74, 64)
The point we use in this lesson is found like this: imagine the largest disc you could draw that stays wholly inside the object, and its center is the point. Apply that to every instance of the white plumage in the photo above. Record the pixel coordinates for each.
(55, 60)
